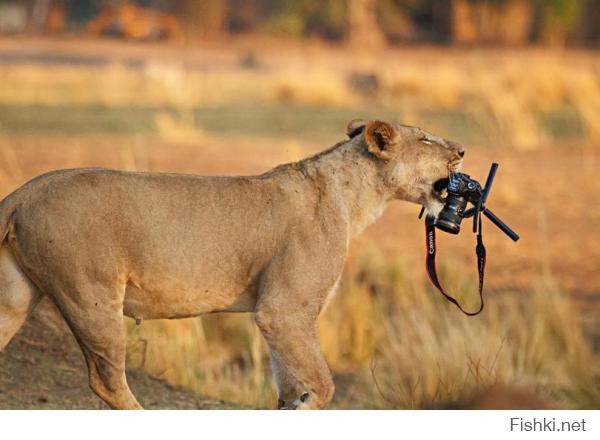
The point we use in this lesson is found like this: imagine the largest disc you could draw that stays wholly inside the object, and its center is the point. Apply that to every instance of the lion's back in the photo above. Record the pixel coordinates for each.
(95, 213)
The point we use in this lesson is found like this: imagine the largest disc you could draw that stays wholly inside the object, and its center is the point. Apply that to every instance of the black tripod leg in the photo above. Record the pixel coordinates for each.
(500, 224)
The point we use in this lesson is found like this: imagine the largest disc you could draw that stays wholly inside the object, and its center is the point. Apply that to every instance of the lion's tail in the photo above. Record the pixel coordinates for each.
(18, 293)
(7, 208)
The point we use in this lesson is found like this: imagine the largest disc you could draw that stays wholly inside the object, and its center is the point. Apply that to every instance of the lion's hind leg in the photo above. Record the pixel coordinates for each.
(95, 315)
(18, 297)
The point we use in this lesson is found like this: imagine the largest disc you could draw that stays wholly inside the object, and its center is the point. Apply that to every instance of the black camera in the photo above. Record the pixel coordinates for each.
(461, 190)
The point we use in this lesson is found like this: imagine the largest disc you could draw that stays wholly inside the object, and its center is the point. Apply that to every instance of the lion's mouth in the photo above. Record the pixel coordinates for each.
(435, 198)
(439, 187)
(455, 166)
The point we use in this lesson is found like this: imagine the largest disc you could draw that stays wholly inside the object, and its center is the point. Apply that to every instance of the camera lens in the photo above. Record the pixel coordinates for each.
(451, 216)
(447, 226)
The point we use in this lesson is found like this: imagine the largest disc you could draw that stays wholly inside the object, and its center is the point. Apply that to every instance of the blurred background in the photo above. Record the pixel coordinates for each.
(236, 87)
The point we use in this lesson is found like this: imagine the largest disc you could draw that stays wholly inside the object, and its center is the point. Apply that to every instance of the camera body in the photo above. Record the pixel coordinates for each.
(461, 190)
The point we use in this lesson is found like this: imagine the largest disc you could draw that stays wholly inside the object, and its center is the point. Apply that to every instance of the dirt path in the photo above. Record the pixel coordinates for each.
(42, 368)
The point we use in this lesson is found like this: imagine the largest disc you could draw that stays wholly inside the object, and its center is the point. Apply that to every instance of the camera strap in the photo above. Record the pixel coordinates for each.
(431, 269)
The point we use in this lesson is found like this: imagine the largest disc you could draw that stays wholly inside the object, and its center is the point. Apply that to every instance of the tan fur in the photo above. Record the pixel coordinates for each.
(104, 243)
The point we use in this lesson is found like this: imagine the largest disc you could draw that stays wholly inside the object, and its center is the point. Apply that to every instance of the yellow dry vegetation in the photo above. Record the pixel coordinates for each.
(507, 95)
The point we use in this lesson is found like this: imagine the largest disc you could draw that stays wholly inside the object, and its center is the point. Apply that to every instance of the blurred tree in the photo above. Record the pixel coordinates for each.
(397, 19)
(81, 11)
(13, 16)
(134, 21)
(295, 18)
(591, 20)
(205, 18)
(285, 17)
(414, 20)
(56, 17)
(363, 27)
(557, 19)
(45, 16)
(326, 18)
(244, 15)
(359, 22)
(464, 30)
(515, 22)
(507, 22)
(39, 15)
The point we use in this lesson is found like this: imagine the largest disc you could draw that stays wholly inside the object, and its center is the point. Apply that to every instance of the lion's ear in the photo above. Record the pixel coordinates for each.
(379, 136)
(355, 127)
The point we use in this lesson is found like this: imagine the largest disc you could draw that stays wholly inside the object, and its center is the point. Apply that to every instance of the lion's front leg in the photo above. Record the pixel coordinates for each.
(299, 368)
(293, 289)
(288, 388)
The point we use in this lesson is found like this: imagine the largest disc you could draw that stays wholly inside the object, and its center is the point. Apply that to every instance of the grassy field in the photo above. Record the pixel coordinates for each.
(525, 99)
(390, 339)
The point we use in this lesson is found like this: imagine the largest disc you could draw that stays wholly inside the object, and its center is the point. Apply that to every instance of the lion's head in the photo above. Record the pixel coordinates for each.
(413, 163)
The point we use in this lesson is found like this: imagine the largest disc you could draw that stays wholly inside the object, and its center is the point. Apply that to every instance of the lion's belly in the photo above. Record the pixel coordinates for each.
(169, 297)
(199, 272)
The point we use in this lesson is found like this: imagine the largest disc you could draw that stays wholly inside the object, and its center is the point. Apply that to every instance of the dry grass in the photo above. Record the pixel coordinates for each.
(229, 364)
(430, 355)
(511, 99)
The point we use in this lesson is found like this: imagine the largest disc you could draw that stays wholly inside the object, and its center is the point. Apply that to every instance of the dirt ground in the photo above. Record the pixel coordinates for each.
(42, 368)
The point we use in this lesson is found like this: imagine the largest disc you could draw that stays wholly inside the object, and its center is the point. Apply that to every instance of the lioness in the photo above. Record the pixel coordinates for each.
(103, 244)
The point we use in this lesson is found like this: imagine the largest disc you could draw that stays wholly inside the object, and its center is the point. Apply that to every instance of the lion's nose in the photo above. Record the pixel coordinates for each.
(461, 152)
